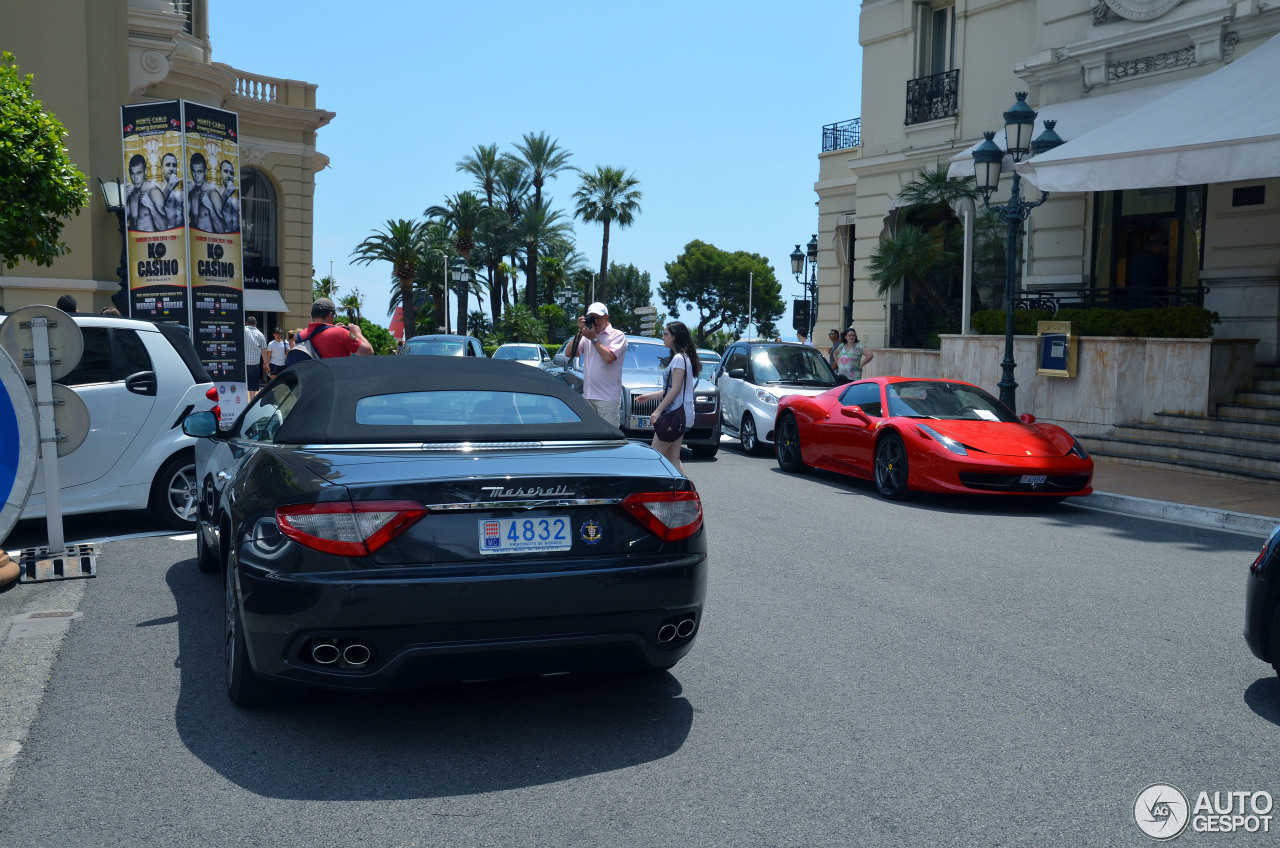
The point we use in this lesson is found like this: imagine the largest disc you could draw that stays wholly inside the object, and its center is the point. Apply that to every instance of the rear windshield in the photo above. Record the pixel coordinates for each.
(434, 349)
(454, 408)
(515, 353)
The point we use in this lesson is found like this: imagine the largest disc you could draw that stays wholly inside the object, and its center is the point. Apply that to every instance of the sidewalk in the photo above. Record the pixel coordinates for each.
(1184, 497)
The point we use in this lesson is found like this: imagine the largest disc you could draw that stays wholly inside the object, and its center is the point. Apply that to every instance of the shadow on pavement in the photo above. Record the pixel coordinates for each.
(1065, 514)
(441, 741)
(1263, 697)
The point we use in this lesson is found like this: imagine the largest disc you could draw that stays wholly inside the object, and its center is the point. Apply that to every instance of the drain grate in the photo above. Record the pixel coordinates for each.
(36, 565)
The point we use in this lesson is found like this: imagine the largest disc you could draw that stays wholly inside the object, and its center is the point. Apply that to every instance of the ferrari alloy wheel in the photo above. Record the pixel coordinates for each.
(891, 467)
(788, 446)
(175, 494)
(747, 435)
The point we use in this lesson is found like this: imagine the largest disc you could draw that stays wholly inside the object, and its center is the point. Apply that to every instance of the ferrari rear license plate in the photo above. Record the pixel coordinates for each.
(524, 535)
(1033, 479)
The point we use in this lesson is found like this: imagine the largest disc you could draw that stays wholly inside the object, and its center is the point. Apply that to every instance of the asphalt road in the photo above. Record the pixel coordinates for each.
(939, 672)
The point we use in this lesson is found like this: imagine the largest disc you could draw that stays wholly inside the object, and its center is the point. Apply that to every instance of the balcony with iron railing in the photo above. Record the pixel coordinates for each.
(933, 98)
(842, 135)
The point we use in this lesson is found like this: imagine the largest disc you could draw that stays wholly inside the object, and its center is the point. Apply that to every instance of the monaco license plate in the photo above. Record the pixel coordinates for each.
(641, 422)
(524, 535)
(1033, 479)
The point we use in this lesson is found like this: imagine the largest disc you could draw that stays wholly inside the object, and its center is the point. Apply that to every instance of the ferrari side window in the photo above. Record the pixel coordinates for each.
(864, 395)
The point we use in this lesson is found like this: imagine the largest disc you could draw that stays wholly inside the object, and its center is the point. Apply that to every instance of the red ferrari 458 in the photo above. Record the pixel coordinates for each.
(929, 436)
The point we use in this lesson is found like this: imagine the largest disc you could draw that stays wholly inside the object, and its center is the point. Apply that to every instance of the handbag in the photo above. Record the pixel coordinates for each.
(670, 424)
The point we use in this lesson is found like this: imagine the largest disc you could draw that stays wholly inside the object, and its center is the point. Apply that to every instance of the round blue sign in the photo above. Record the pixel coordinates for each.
(19, 443)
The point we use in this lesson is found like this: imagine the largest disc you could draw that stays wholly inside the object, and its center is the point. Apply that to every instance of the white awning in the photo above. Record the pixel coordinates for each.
(1218, 128)
(1075, 118)
(264, 300)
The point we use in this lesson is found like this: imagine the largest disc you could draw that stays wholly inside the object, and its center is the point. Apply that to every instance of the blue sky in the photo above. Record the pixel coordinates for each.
(717, 108)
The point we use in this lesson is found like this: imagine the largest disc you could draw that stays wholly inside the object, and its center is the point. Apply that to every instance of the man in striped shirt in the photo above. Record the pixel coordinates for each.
(256, 363)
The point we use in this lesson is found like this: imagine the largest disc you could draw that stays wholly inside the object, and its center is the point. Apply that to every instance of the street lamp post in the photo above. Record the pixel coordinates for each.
(988, 159)
(798, 263)
(461, 277)
(113, 197)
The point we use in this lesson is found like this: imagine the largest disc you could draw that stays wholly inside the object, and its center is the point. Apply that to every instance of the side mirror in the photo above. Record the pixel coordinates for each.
(738, 373)
(856, 413)
(202, 425)
(1027, 418)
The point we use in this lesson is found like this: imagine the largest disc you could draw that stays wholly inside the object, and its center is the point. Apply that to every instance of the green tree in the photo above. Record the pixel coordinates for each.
(545, 159)
(353, 305)
(541, 230)
(463, 215)
(39, 186)
(924, 253)
(520, 324)
(714, 282)
(631, 288)
(513, 191)
(323, 287)
(403, 243)
(485, 164)
(608, 195)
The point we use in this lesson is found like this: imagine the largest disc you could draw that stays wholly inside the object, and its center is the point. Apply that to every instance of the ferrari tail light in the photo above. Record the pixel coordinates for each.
(347, 529)
(671, 516)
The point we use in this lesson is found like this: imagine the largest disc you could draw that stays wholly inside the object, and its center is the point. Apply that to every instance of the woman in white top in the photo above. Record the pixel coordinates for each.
(681, 378)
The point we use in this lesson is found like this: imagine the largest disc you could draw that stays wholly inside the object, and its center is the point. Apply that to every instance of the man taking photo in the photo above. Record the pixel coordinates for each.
(601, 347)
(329, 341)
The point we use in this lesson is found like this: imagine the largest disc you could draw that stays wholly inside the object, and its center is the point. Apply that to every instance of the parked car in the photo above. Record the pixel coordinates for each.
(1262, 603)
(139, 381)
(755, 376)
(930, 436)
(383, 525)
(443, 345)
(642, 373)
(526, 354)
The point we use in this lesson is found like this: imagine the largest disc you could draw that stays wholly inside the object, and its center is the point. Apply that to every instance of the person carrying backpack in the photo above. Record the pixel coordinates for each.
(322, 339)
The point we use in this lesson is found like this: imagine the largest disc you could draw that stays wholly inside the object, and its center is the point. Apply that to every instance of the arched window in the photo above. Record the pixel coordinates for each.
(259, 218)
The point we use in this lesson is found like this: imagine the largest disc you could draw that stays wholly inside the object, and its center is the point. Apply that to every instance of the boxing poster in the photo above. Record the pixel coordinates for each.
(155, 216)
(213, 219)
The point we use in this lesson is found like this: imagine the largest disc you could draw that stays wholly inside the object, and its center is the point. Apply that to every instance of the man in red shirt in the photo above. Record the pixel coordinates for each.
(343, 341)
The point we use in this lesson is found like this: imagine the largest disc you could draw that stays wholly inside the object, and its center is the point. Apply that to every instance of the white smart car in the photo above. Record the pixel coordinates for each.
(139, 381)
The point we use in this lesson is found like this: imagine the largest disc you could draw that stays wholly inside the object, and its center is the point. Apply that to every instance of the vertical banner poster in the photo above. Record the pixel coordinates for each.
(213, 215)
(155, 195)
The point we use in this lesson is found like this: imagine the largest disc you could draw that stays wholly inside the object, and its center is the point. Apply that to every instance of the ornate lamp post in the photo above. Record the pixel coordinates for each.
(799, 261)
(987, 159)
(461, 277)
(113, 197)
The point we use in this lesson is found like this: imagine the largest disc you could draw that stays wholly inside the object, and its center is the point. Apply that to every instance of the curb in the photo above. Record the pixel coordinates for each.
(1199, 516)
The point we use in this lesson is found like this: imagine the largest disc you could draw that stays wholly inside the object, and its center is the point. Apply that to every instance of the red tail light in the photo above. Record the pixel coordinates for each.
(347, 529)
(671, 516)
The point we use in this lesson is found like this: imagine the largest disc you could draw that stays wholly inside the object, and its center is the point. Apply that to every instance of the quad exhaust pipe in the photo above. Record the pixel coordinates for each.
(352, 654)
(683, 628)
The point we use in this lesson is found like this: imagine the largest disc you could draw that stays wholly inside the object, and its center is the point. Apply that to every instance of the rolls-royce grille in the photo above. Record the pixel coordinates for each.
(639, 407)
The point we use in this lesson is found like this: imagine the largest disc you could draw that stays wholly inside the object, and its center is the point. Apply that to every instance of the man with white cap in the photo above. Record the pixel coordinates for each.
(601, 361)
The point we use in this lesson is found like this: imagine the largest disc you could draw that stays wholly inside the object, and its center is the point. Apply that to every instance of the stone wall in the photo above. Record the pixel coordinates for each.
(1117, 380)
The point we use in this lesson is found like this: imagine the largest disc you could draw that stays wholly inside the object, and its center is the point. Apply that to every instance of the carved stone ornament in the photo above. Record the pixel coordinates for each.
(1141, 10)
(254, 155)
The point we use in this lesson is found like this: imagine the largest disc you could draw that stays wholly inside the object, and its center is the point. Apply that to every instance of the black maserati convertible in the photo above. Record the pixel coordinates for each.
(384, 524)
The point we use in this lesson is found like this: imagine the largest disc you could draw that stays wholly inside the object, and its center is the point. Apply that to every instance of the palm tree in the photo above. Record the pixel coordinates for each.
(513, 190)
(540, 228)
(545, 160)
(403, 244)
(463, 214)
(353, 305)
(484, 163)
(608, 195)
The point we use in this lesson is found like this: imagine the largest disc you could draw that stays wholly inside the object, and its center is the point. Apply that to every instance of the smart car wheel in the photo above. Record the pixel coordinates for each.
(891, 467)
(747, 435)
(174, 493)
(244, 687)
(788, 446)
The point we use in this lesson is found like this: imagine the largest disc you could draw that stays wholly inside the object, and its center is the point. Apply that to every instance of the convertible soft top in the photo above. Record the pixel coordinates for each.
(330, 389)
